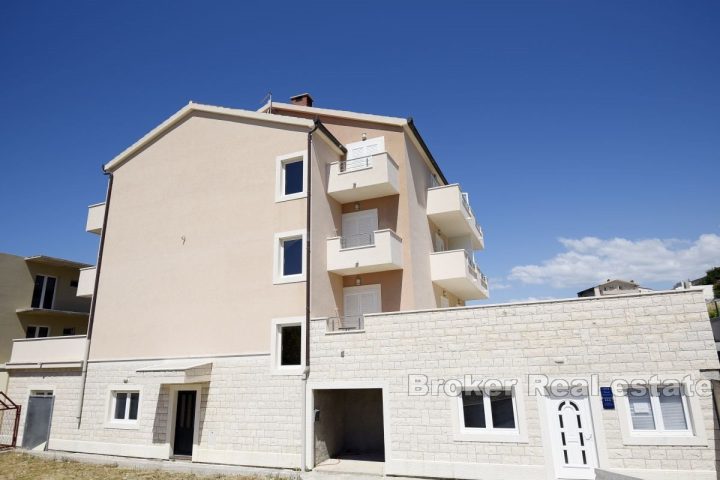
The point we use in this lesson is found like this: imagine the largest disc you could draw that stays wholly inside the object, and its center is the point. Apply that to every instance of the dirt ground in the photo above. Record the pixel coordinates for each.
(21, 466)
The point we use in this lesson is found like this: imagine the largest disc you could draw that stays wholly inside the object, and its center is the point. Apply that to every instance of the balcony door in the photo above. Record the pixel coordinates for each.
(358, 228)
(358, 301)
(359, 154)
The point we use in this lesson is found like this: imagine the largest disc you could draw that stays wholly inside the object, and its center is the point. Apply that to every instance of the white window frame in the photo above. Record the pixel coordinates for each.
(36, 330)
(694, 435)
(490, 434)
(277, 325)
(44, 291)
(280, 163)
(124, 424)
(278, 277)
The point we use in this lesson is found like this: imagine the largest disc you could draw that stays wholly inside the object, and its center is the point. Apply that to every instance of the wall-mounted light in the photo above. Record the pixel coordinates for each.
(357, 206)
(364, 136)
(358, 281)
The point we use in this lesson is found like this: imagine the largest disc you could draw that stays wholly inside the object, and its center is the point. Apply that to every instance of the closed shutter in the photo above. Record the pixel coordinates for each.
(359, 154)
(359, 301)
(358, 228)
(672, 409)
(641, 412)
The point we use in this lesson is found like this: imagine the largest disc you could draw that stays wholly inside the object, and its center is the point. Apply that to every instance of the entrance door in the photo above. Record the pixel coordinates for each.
(184, 422)
(37, 421)
(358, 228)
(572, 436)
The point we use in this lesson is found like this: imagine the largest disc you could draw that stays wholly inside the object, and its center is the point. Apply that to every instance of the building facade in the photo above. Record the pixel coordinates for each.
(278, 288)
(38, 299)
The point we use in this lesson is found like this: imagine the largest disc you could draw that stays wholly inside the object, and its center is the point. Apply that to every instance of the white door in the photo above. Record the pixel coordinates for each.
(360, 154)
(358, 301)
(572, 437)
(358, 228)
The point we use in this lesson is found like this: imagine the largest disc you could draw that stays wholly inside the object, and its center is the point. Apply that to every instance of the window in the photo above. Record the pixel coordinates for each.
(68, 331)
(73, 283)
(658, 409)
(44, 292)
(291, 176)
(289, 263)
(288, 346)
(125, 406)
(34, 331)
(358, 228)
(488, 409)
(41, 393)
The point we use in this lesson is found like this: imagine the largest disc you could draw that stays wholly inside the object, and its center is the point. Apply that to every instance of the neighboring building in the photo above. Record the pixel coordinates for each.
(269, 282)
(708, 292)
(38, 298)
(613, 287)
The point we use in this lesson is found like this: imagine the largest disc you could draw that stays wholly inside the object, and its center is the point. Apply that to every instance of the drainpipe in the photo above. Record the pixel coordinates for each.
(306, 370)
(93, 302)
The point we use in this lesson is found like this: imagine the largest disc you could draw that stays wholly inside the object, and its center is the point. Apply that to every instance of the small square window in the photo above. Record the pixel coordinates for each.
(287, 346)
(658, 409)
(492, 409)
(73, 283)
(125, 406)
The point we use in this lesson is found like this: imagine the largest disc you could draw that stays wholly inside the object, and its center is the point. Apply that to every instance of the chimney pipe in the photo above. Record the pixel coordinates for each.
(303, 100)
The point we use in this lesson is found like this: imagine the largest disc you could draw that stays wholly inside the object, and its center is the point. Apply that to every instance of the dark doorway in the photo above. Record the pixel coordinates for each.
(349, 425)
(37, 421)
(184, 422)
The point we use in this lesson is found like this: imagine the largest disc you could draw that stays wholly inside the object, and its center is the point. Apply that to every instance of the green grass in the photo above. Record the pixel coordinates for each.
(21, 466)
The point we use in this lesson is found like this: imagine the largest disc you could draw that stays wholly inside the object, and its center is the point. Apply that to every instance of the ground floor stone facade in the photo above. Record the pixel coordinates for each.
(248, 414)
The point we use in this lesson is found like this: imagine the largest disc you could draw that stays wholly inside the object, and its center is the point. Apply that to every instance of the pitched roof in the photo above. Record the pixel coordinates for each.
(192, 108)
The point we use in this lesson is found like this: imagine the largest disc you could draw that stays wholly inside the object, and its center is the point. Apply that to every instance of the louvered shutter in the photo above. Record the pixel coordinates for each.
(358, 228)
(672, 409)
(360, 154)
(641, 412)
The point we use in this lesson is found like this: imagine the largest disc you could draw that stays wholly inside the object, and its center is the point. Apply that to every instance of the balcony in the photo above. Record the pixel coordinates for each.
(96, 215)
(456, 272)
(358, 179)
(449, 210)
(49, 352)
(86, 283)
(378, 251)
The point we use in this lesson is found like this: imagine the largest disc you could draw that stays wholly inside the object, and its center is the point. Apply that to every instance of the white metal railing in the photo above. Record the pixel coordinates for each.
(472, 266)
(358, 240)
(483, 280)
(355, 164)
(345, 323)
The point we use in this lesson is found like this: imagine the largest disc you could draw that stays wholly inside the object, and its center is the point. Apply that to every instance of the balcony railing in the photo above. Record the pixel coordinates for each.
(449, 209)
(363, 178)
(457, 272)
(376, 251)
(48, 352)
(345, 324)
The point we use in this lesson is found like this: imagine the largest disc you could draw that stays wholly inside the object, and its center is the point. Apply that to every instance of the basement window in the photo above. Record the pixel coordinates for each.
(288, 346)
(125, 406)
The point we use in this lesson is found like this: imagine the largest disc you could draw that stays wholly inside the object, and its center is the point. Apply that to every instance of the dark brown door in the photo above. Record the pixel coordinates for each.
(184, 422)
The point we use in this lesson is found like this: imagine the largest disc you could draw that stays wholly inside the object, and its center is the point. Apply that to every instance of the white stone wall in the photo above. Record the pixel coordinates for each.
(247, 415)
(616, 337)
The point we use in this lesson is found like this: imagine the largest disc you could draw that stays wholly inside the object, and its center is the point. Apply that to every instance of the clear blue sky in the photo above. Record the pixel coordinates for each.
(562, 119)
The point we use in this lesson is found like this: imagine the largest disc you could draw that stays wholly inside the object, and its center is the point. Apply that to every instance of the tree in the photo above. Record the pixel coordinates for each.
(712, 277)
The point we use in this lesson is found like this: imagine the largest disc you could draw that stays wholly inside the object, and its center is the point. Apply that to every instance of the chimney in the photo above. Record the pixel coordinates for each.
(303, 100)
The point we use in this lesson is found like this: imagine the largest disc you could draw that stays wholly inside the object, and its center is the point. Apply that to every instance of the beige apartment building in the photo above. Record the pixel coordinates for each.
(38, 299)
(273, 285)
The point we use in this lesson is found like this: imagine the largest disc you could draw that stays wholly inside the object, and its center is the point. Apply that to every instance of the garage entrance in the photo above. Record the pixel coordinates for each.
(349, 432)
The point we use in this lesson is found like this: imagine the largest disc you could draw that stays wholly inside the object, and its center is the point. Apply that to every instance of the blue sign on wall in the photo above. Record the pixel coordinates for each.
(608, 402)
